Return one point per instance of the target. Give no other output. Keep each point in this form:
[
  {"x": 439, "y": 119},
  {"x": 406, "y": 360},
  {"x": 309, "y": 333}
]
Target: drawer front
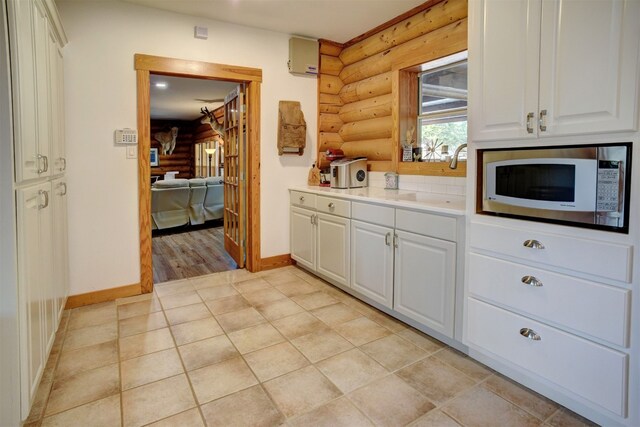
[
  {"x": 334, "y": 206},
  {"x": 560, "y": 299},
  {"x": 305, "y": 200},
  {"x": 438, "y": 226},
  {"x": 381, "y": 215},
  {"x": 589, "y": 370},
  {"x": 596, "y": 258}
]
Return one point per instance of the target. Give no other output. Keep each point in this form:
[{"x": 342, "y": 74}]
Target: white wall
[{"x": 100, "y": 96}]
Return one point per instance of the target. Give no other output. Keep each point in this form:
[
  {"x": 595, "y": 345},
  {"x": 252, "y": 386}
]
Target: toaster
[{"x": 349, "y": 173}]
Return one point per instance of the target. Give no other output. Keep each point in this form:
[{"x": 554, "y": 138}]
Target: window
[{"x": 442, "y": 107}]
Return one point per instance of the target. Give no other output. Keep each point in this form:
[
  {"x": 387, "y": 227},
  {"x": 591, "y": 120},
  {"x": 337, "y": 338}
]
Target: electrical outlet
[{"x": 132, "y": 152}]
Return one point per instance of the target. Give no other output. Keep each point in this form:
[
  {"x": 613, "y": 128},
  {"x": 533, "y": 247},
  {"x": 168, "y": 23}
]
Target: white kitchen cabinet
[
  {"x": 541, "y": 68},
  {"x": 60, "y": 245},
  {"x": 303, "y": 237},
  {"x": 372, "y": 260},
  {"x": 333, "y": 241},
  {"x": 424, "y": 285},
  {"x": 56, "y": 111}
]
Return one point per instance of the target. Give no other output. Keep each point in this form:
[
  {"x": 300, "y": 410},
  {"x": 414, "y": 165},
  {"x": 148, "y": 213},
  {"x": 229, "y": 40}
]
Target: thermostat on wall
[{"x": 126, "y": 136}]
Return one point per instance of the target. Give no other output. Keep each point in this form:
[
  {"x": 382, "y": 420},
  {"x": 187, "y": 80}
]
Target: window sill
[{"x": 432, "y": 169}]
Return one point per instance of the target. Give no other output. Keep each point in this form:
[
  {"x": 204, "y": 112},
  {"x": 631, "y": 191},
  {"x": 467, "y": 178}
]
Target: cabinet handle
[
  {"x": 311, "y": 219},
  {"x": 530, "y": 333},
  {"x": 531, "y": 281},
  {"x": 46, "y": 199},
  {"x": 529, "y": 123},
  {"x": 40, "y": 170},
  {"x": 543, "y": 121},
  {"x": 64, "y": 164},
  {"x": 395, "y": 240},
  {"x": 332, "y": 205},
  {"x": 387, "y": 239},
  {"x": 46, "y": 163},
  {"x": 533, "y": 244},
  {"x": 63, "y": 185}
]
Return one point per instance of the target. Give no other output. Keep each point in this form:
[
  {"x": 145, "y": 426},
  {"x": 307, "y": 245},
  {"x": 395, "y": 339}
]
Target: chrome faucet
[{"x": 454, "y": 159}]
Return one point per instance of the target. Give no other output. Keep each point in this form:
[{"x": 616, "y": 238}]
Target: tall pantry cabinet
[{"x": 36, "y": 39}]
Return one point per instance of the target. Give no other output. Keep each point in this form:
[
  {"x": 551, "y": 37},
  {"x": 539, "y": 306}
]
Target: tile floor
[{"x": 275, "y": 348}]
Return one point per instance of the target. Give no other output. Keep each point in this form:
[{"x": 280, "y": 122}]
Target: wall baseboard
[
  {"x": 103, "y": 295},
  {"x": 275, "y": 262}
]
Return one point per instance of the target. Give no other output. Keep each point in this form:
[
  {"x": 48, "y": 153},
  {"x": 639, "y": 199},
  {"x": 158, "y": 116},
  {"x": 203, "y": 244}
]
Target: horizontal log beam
[
  {"x": 330, "y": 84},
  {"x": 376, "y": 149},
  {"x": 328, "y": 140},
  {"x": 329, "y": 123},
  {"x": 327, "y": 98},
  {"x": 367, "y": 88},
  {"x": 380, "y": 106},
  {"x": 377, "y": 128},
  {"x": 328, "y": 47},
  {"x": 379, "y": 166},
  {"x": 330, "y": 65},
  {"x": 328, "y": 108}
]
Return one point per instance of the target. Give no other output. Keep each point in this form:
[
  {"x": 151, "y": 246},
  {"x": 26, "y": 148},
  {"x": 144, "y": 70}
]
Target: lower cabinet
[
  {"x": 372, "y": 261},
  {"x": 303, "y": 237}
]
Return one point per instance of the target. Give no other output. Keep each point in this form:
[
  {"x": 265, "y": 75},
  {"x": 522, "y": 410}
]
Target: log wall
[
  {"x": 355, "y": 85},
  {"x": 182, "y": 158}
]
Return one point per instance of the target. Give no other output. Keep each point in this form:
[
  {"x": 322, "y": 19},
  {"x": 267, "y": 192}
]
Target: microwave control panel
[{"x": 608, "y": 199}]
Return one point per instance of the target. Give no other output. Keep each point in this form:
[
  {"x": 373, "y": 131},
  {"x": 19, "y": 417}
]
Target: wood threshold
[
  {"x": 103, "y": 295},
  {"x": 277, "y": 261}
]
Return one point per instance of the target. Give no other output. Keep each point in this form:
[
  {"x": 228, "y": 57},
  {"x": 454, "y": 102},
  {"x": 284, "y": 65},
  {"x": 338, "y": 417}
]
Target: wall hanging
[{"x": 292, "y": 128}]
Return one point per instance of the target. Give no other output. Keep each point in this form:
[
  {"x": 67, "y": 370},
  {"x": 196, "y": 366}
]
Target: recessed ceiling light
[{"x": 161, "y": 85}]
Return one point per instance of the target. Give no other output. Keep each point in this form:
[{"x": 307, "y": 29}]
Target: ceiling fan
[{"x": 210, "y": 101}]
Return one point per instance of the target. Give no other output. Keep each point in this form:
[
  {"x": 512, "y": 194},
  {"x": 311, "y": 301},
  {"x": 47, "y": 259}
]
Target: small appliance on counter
[{"x": 349, "y": 173}]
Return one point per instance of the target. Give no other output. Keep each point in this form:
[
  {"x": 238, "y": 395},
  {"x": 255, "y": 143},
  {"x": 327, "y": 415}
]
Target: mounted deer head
[{"x": 211, "y": 121}]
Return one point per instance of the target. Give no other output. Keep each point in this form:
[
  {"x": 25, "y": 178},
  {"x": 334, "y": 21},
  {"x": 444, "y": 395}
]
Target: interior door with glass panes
[{"x": 235, "y": 140}]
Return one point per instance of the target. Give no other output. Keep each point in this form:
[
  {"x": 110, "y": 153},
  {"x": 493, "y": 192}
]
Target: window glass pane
[
  {"x": 444, "y": 89},
  {"x": 439, "y": 134}
]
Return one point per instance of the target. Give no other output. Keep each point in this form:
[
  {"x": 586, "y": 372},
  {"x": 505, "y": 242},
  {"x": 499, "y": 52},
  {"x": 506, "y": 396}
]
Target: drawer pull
[
  {"x": 387, "y": 239},
  {"x": 332, "y": 205},
  {"x": 530, "y": 333},
  {"x": 531, "y": 281},
  {"x": 301, "y": 199},
  {"x": 533, "y": 244}
]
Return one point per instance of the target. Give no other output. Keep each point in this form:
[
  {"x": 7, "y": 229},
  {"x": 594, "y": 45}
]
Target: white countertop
[{"x": 441, "y": 203}]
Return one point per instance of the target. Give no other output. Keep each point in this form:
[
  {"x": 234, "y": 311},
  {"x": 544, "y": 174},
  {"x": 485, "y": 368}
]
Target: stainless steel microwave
[{"x": 580, "y": 185}]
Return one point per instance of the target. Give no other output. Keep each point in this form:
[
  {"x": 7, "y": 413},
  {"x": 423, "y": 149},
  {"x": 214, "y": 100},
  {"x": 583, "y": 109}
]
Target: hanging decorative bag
[{"x": 292, "y": 128}]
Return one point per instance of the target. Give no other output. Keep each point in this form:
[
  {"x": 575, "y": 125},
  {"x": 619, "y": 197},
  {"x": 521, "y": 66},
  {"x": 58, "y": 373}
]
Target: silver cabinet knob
[
  {"x": 302, "y": 198},
  {"x": 332, "y": 205},
  {"x": 531, "y": 281},
  {"x": 530, "y": 333},
  {"x": 533, "y": 244}
]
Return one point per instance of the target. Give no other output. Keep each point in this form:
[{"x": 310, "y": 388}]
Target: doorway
[{"x": 250, "y": 78}]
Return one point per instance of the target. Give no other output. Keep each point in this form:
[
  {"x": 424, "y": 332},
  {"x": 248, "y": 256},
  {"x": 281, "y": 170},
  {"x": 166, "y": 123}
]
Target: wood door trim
[
  {"x": 145, "y": 65},
  {"x": 102, "y": 295},
  {"x": 277, "y": 261}
]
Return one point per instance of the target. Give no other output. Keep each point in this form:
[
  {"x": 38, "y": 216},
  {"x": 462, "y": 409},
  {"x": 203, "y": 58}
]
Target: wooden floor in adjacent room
[{"x": 181, "y": 255}]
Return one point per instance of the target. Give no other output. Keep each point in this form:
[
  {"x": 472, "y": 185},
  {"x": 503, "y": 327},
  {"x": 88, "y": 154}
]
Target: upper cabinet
[{"x": 542, "y": 68}]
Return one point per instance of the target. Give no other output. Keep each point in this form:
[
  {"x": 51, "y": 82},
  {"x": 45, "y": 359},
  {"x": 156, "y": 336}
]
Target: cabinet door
[
  {"x": 60, "y": 245},
  {"x": 303, "y": 237},
  {"x": 503, "y": 69},
  {"x": 56, "y": 106},
  {"x": 372, "y": 261},
  {"x": 333, "y": 234},
  {"x": 41, "y": 45},
  {"x": 425, "y": 280},
  {"x": 588, "y": 66}
]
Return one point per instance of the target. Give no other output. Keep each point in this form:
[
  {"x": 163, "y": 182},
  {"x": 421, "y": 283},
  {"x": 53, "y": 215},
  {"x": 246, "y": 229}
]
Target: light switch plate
[{"x": 132, "y": 152}]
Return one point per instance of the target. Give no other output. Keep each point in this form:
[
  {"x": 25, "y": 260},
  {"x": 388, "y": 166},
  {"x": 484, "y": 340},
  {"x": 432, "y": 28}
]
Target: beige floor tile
[
  {"x": 139, "y": 308},
  {"x": 278, "y": 309},
  {"x": 252, "y": 285},
  {"x": 390, "y": 401},
  {"x": 479, "y": 407},
  {"x": 263, "y": 296},
  {"x": 240, "y": 319},
  {"x": 155, "y": 401},
  {"x": 300, "y": 391},
  {"x": 393, "y": 352},
  {"x": 463, "y": 363},
  {"x": 321, "y": 345},
  {"x": 90, "y": 336},
  {"x": 360, "y": 306},
  {"x": 298, "y": 287},
  {"x": 39, "y": 402},
  {"x": 299, "y": 324},
  {"x": 101, "y": 413},
  {"x": 136, "y": 298},
  {"x": 92, "y": 315},
  {"x": 274, "y": 361},
  {"x": 361, "y": 331},
  {"x": 144, "y": 323},
  {"x": 336, "y": 314},
  {"x": 215, "y": 381},
  {"x": 196, "y": 330},
  {"x": 314, "y": 300},
  {"x": 187, "y": 313},
  {"x": 172, "y": 288},
  {"x": 337, "y": 413},
  {"x": 388, "y": 322},
  {"x": 145, "y": 343},
  {"x": 190, "y": 418},
  {"x": 227, "y": 305},
  {"x": 250, "y": 407},
  {"x": 255, "y": 338},
  {"x": 427, "y": 343},
  {"x": 351, "y": 370},
  {"x": 83, "y": 388},
  {"x": 217, "y": 292},
  {"x": 240, "y": 275},
  {"x": 435, "y": 418},
  {"x": 207, "y": 352},
  {"x": 279, "y": 277},
  {"x": 216, "y": 279},
  {"x": 149, "y": 368},
  {"x": 86, "y": 358},
  {"x": 567, "y": 418},
  {"x": 179, "y": 300},
  {"x": 436, "y": 380},
  {"x": 532, "y": 402}
]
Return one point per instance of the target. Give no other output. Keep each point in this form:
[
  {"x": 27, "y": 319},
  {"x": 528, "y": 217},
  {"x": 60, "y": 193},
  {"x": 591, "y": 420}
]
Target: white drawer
[
  {"x": 381, "y": 215},
  {"x": 560, "y": 299},
  {"x": 595, "y": 257},
  {"x": 305, "y": 200},
  {"x": 438, "y": 226},
  {"x": 334, "y": 206},
  {"x": 582, "y": 367}
]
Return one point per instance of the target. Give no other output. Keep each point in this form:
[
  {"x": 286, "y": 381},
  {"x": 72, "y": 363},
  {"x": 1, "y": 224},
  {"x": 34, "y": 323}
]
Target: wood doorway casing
[{"x": 145, "y": 65}]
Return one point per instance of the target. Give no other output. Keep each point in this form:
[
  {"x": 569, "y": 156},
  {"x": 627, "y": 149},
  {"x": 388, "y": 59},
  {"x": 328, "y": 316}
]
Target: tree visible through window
[{"x": 442, "y": 109}]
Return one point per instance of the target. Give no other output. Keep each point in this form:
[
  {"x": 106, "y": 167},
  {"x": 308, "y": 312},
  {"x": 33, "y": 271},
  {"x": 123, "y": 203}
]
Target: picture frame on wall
[{"x": 155, "y": 160}]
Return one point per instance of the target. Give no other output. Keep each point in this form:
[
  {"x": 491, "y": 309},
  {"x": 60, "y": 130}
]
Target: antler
[{"x": 205, "y": 110}]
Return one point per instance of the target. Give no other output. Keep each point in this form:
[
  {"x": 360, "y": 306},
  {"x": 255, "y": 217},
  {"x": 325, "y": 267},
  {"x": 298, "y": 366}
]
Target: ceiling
[
  {"x": 182, "y": 97},
  {"x": 336, "y": 20}
]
